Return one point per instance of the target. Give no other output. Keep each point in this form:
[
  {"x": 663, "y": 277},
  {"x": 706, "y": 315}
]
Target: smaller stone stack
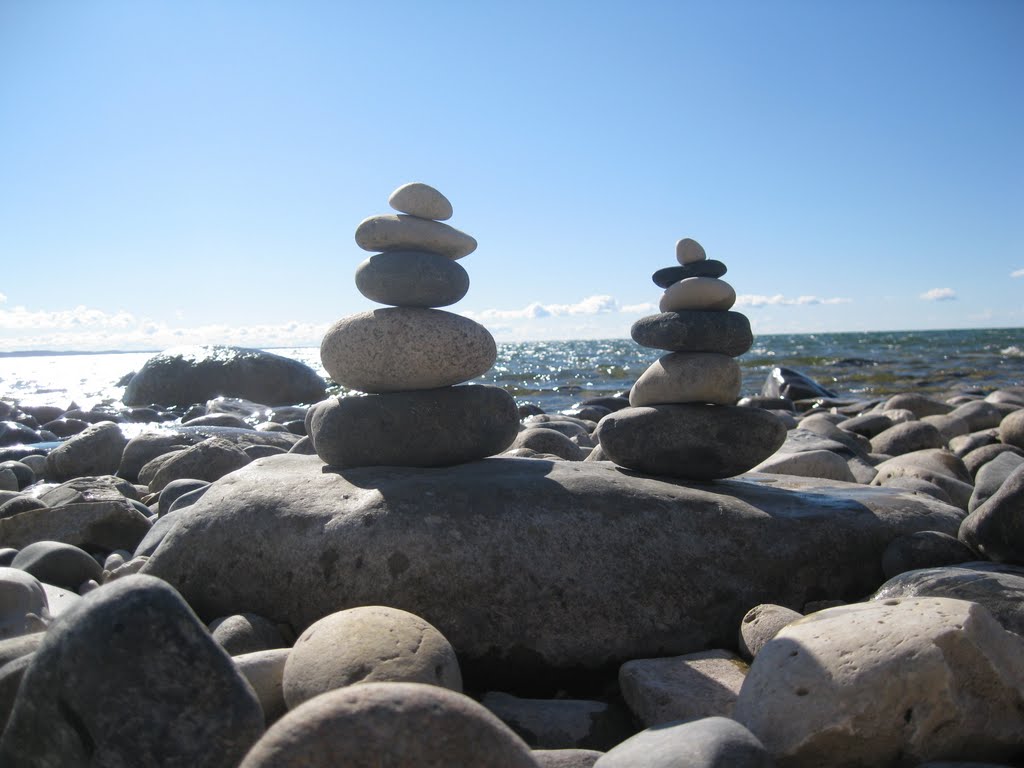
[
  {"x": 682, "y": 420},
  {"x": 409, "y": 355}
]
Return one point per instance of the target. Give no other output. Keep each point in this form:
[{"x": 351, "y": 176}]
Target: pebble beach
[{"x": 692, "y": 547}]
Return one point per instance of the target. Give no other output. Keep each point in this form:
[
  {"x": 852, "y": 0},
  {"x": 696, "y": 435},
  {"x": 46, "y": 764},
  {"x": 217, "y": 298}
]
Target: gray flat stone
[
  {"x": 533, "y": 551},
  {"x": 419, "y": 199},
  {"x": 695, "y": 330},
  {"x": 663, "y": 278},
  {"x": 697, "y": 442},
  {"x": 388, "y": 232},
  {"x": 429, "y": 428},
  {"x": 412, "y": 279}
]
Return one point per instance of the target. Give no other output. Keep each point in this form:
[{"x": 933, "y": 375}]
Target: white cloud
[
  {"x": 939, "y": 294},
  {"x": 1015, "y": 273},
  {"x": 592, "y": 305},
  {"x": 19, "y": 318},
  {"x": 638, "y": 309},
  {"x": 2, "y": 298},
  {"x": 778, "y": 300}
]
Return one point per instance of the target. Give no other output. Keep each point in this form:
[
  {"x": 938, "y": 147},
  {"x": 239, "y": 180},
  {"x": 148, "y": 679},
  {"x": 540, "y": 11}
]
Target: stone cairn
[
  {"x": 682, "y": 420},
  {"x": 408, "y": 356}
]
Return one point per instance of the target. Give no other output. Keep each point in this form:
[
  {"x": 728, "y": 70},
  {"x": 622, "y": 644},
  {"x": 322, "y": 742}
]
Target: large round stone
[
  {"x": 419, "y": 199},
  {"x": 694, "y": 330},
  {"x": 708, "y": 293},
  {"x": 368, "y": 644},
  {"x": 388, "y": 232},
  {"x": 406, "y": 348},
  {"x": 412, "y": 279},
  {"x": 526, "y": 565},
  {"x": 426, "y": 428},
  {"x": 688, "y": 377},
  {"x": 186, "y": 375},
  {"x": 697, "y": 442},
  {"x": 390, "y": 725},
  {"x": 1011, "y": 429},
  {"x": 663, "y": 278}
]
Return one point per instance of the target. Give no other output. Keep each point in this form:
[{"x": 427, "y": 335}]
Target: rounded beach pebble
[
  {"x": 707, "y": 293},
  {"x": 368, "y": 644},
  {"x": 399, "y": 349},
  {"x": 419, "y": 199},
  {"x": 388, "y": 232},
  {"x": 54, "y": 562},
  {"x": 695, "y": 331},
  {"x": 688, "y": 377},
  {"x": 390, "y": 725},
  {"x": 689, "y": 251},
  {"x": 412, "y": 279}
]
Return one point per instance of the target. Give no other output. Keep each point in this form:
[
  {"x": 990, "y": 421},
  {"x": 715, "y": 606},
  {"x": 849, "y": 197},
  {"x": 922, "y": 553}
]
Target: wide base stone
[
  {"x": 426, "y": 428},
  {"x": 689, "y": 440},
  {"x": 532, "y": 565}
]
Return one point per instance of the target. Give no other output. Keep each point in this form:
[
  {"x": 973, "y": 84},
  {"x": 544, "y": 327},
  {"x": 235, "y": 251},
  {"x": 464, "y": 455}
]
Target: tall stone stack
[
  {"x": 682, "y": 420},
  {"x": 409, "y": 356}
]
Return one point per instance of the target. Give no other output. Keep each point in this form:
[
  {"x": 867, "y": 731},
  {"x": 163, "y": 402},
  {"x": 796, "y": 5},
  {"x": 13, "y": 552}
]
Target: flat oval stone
[
  {"x": 412, "y": 279},
  {"x": 431, "y": 428},
  {"x": 688, "y": 377},
  {"x": 405, "y": 348},
  {"x": 388, "y": 232},
  {"x": 694, "y": 442},
  {"x": 663, "y": 278},
  {"x": 419, "y": 199},
  {"x": 695, "y": 330},
  {"x": 707, "y": 293},
  {"x": 689, "y": 251}
]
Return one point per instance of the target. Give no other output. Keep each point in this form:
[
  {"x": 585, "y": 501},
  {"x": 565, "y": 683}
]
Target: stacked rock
[
  {"x": 409, "y": 355},
  {"x": 682, "y": 420}
]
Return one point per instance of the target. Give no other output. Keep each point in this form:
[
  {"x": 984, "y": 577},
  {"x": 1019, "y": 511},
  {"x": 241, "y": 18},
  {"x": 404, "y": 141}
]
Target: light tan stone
[
  {"x": 688, "y": 377},
  {"x": 708, "y": 293},
  {"x": 419, "y": 199},
  {"x": 389, "y": 232},
  {"x": 398, "y": 349},
  {"x": 696, "y": 685},
  {"x": 900, "y": 681},
  {"x": 368, "y": 644},
  {"x": 689, "y": 251}
]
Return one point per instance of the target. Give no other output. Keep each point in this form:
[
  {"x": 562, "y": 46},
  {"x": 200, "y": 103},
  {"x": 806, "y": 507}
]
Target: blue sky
[{"x": 182, "y": 172}]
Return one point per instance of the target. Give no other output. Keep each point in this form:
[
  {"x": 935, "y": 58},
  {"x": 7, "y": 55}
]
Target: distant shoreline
[{"x": 65, "y": 353}]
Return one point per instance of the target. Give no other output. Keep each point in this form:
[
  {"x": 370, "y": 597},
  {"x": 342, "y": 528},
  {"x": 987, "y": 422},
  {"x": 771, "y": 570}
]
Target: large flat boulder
[{"x": 532, "y": 564}]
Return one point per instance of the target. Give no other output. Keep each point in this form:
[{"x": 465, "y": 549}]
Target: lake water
[{"x": 559, "y": 374}]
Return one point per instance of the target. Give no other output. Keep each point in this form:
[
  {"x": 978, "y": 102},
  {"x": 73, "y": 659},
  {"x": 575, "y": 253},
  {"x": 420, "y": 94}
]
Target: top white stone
[
  {"x": 419, "y": 199},
  {"x": 689, "y": 251}
]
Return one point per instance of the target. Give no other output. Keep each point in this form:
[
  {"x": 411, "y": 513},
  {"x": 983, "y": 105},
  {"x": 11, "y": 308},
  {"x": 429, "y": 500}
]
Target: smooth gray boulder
[
  {"x": 991, "y": 477},
  {"x": 95, "y": 451},
  {"x": 692, "y": 441},
  {"x": 186, "y": 375},
  {"x": 695, "y": 330},
  {"x": 996, "y": 528},
  {"x": 1000, "y": 588},
  {"x": 209, "y": 460},
  {"x": 924, "y": 549},
  {"x": 428, "y": 428},
  {"x": 54, "y": 562},
  {"x": 129, "y": 677},
  {"x": 390, "y": 725},
  {"x": 533, "y": 550},
  {"x": 92, "y": 525}
]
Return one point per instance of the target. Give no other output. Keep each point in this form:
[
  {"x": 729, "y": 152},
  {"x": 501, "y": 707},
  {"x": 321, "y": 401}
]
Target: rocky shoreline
[{"x": 577, "y": 607}]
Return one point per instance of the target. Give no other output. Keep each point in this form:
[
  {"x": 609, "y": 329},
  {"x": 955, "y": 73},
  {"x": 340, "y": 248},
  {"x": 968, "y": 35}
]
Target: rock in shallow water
[
  {"x": 698, "y": 442},
  {"x": 511, "y": 558},
  {"x": 187, "y": 375},
  {"x": 427, "y": 428}
]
